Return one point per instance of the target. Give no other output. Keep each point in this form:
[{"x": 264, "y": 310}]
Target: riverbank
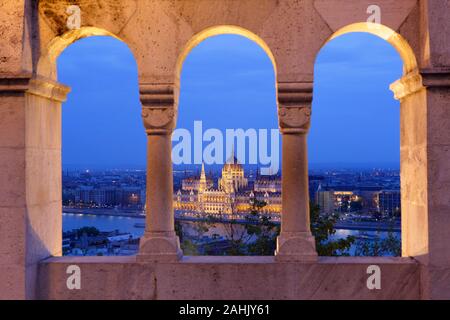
[
  {"x": 105, "y": 212},
  {"x": 368, "y": 226},
  {"x": 340, "y": 225},
  {"x": 217, "y": 232}
]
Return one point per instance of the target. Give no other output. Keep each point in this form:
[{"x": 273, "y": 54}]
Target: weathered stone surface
[
  {"x": 296, "y": 247},
  {"x": 229, "y": 278},
  {"x": 436, "y": 14},
  {"x": 14, "y": 52},
  {"x": 161, "y": 34},
  {"x": 12, "y": 123},
  {"x": 12, "y": 172},
  {"x": 12, "y": 278},
  {"x": 340, "y": 13},
  {"x": 12, "y": 244}
]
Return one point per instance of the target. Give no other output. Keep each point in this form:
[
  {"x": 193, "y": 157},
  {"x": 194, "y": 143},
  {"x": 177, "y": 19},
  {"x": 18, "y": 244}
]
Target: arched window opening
[
  {"x": 354, "y": 147},
  {"x": 103, "y": 149},
  {"x": 226, "y": 148}
]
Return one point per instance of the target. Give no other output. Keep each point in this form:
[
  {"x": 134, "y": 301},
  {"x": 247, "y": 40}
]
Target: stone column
[
  {"x": 159, "y": 242},
  {"x": 436, "y": 277},
  {"x": 425, "y": 128},
  {"x": 411, "y": 93},
  {"x": 295, "y": 242},
  {"x": 30, "y": 175}
]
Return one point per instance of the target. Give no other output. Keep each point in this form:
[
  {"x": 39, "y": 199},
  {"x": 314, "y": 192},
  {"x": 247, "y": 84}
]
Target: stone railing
[{"x": 230, "y": 278}]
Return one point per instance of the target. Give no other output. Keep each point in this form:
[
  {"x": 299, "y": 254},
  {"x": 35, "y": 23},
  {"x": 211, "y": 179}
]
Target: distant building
[
  {"x": 126, "y": 196},
  {"x": 193, "y": 183},
  {"x": 84, "y": 194},
  {"x": 349, "y": 198},
  {"x": 233, "y": 194},
  {"x": 389, "y": 202},
  {"x": 325, "y": 200},
  {"x": 314, "y": 181},
  {"x": 270, "y": 184}
]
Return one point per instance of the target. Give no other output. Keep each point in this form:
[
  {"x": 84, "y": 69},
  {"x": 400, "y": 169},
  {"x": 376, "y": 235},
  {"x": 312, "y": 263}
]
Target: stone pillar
[
  {"x": 411, "y": 93},
  {"x": 30, "y": 174},
  {"x": 295, "y": 242},
  {"x": 159, "y": 243},
  {"x": 425, "y": 128},
  {"x": 437, "y": 82}
]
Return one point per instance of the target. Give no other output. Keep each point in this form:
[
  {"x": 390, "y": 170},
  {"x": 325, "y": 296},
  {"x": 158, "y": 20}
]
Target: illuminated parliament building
[{"x": 233, "y": 194}]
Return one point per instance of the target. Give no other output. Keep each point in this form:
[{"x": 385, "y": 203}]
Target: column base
[
  {"x": 159, "y": 247},
  {"x": 296, "y": 247}
]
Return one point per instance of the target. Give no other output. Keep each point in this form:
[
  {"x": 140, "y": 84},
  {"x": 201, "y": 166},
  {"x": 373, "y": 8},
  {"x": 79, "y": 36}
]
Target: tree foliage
[
  {"x": 390, "y": 246},
  {"x": 322, "y": 228},
  {"x": 89, "y": 231},
  {"x": 257, "y": 236},
  {"x": 263, "y": 228}
]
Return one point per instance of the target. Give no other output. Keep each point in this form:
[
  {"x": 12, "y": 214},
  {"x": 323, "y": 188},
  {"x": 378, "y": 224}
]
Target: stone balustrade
[{"x": 161, "y": 34}]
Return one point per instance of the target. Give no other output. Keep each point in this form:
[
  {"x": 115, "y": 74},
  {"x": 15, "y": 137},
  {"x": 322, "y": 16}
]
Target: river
[{"x": 128, "y": 225}]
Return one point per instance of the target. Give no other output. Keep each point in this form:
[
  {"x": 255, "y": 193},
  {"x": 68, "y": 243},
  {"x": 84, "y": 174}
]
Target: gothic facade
[{"x": 233, "y": 195}]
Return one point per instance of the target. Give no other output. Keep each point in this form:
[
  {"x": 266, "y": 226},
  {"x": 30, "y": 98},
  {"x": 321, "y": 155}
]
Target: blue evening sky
[{"x": 228, "y": 82}]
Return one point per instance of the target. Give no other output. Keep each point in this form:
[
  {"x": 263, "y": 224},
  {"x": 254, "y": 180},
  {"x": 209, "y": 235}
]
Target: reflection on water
[
  {"x": 219, "y": 231},
  {"x": 191, "y": 229},
  {"x": 103, "y": 223},
  {"x": 199, "y": 231},
  {"x": 363, "y": 236}
]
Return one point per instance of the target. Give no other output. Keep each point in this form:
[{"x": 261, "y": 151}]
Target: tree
[
  {"x": 261, "y": 226},
  {"x": 188, "y": 246},
  {"x": 392, "y": 245},
  {"x": 257, "y": 235},
  {"x": 389, "y": 246},
  {"x": 89, "y": 231},
  {"x": 234, "y": 232},
  {"x": 322, "y": 228}
]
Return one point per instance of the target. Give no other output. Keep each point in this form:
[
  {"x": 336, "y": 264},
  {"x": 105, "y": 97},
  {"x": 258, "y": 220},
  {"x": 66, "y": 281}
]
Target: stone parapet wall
[{"x": 229, "y": 278}]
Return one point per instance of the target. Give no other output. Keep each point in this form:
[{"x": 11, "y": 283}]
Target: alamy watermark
[
  {"x": 188, "y": 147},
  {"x": 74, "y": 17},
  {"x": 374, "y": 280},
  {"x": 73, "y": 281},
  {"x": 375, "y": 15}
]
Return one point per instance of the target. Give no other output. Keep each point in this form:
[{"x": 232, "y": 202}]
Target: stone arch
[
  {"x": 46, "y": 65},
  {"x": 218, "y": 30},
  {"x": 395, "y": 39},
  {"x": 215, "y": 31},
  {"x": 45, "y": 97},
  {"x": 411, "y": 93}
]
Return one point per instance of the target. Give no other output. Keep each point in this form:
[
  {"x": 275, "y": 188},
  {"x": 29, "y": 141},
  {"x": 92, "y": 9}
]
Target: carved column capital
[
  {"x": 159, "y": 105},
  {"x": 294, "y": 119},
  {"x": 407, "y": 85},
  {"x": 415, "y": 81},
  {"x": 294, "y": 106}
]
